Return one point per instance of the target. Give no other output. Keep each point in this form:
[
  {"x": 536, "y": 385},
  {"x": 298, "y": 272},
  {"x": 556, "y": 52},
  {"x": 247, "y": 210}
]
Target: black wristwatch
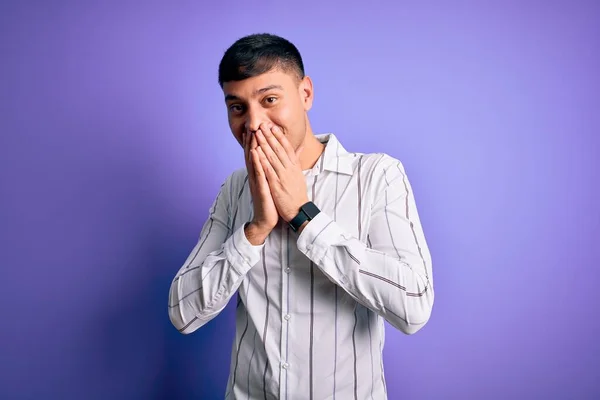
[{"x": 307, "y": 212}]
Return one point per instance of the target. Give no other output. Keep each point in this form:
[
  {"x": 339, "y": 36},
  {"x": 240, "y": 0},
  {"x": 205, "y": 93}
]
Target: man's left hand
[{"x": 283, "y": 171}]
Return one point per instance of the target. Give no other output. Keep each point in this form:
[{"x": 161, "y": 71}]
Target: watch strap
[{"x": 307, "y": 212}]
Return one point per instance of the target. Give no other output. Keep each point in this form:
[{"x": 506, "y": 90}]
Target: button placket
[{"x": 284, "y": 295}]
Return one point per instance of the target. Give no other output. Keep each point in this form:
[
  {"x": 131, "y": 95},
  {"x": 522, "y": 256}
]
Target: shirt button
[
  {"x": 288, "y": 270},
  {"x": 285, "y": 365},
  {"x": 287, "y": 317}
]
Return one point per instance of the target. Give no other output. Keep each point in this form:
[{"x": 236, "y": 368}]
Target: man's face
[{"x": 275, "y": 97}]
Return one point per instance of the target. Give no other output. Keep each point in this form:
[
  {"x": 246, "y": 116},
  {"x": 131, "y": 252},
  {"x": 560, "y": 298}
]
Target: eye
[
  {"x": 235, "y": 108},
  {"x": 271, "y": 99}
]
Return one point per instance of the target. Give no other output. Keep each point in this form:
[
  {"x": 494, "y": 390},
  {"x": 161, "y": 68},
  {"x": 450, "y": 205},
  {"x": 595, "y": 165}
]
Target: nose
[{"x": 254, "y": 118}]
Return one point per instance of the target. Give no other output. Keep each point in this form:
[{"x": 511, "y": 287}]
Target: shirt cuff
[
  {"x": 242, "y": 254},
  {"x": 318, "y": 236}
]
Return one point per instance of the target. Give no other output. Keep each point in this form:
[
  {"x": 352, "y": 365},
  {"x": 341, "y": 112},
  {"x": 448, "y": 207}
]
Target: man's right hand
[{"x": 265, "y": 213}]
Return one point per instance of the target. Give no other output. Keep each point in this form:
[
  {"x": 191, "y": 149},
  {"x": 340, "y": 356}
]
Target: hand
[
  {"x": 282, "y": 169},
  {"x": 265, "y": 213}
]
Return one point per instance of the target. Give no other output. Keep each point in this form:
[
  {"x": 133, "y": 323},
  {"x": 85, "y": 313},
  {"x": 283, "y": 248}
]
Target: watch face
[
  {"x": 310, "y": 209},
  {"x": 307, "y": 212}
]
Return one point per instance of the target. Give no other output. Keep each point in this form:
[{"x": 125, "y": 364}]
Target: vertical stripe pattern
[{"x": 309, "y": 318}]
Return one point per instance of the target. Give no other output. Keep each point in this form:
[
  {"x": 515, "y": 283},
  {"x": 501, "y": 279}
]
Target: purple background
[{"x": 114, "y": 142}]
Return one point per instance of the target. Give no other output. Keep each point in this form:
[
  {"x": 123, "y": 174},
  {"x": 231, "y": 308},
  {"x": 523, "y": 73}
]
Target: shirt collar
[{"x": 334, "y": 158}]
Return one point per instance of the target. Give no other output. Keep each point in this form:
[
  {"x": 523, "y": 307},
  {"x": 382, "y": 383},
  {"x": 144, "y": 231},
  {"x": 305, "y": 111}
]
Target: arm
[
  {"x": 214, "y": 270},
  {"x": 391, "y": 274}
]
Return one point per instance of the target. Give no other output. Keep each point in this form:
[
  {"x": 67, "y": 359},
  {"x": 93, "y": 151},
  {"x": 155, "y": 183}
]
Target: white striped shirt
[{"x": 311, "y": 307}]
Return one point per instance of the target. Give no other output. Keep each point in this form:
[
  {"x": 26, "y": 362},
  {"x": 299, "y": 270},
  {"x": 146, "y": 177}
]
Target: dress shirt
[{"x": 311, "y": 306}]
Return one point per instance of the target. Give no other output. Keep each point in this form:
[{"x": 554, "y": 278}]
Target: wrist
[
  {"x": 256, "y": 234},
  {"x": 306, "y": 213},
  {"x": 302, "y": 227},
  {"x": 295, "y": 211}
]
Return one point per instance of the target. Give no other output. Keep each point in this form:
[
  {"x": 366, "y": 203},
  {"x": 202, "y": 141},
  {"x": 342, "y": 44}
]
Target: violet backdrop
[{"x": 114, "y": 142}]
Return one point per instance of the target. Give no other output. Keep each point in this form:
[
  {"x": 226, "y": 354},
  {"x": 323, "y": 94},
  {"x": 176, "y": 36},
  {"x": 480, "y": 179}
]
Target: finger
[
  {"x": 257, "y": 166},
  {"x": 277, "y": 145},
  {"x": 268, "y": 152},
  {"x": 284, "y": 143},
  {"x": 260, "y": 177},
  {"x": 267, "y": 168},
  {"x": 247, "y": 155},
  {"x": 253, "y": 142}
]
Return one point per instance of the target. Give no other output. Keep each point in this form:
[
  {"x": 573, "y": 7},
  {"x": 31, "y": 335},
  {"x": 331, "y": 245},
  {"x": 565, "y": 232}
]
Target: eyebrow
[{"x": 256, "y": 92}]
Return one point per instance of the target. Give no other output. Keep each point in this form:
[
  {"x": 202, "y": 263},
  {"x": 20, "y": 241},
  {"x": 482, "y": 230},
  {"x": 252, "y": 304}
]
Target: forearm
[
  {"x": 205, "y": 284},
  {"x": 399, "y": 289}
]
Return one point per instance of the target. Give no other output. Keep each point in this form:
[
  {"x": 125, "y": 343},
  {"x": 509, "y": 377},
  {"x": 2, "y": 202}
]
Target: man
[{"x": 320, "y": 244}]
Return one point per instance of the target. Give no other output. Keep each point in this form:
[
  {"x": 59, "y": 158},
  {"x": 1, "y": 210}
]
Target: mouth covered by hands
[{"x": 276, "y": 161}]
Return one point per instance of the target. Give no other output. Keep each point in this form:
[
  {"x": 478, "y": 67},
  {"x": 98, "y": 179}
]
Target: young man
[{"x": 320, "y": 244}]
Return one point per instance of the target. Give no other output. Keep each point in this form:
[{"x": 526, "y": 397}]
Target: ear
[{"x": 306, "y": 93}]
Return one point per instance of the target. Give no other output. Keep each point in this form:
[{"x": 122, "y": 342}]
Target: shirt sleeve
[
  {"x": 214, "y": 269},
  {"x": 391, "y": 273}
]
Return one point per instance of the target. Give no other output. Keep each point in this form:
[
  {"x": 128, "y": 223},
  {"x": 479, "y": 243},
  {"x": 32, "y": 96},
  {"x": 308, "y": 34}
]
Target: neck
[{"x": 311, "y": 152}]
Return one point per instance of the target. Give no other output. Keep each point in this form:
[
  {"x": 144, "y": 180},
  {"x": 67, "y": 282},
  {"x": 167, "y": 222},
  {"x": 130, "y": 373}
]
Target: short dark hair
[{"x": 258, "y": 53}]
